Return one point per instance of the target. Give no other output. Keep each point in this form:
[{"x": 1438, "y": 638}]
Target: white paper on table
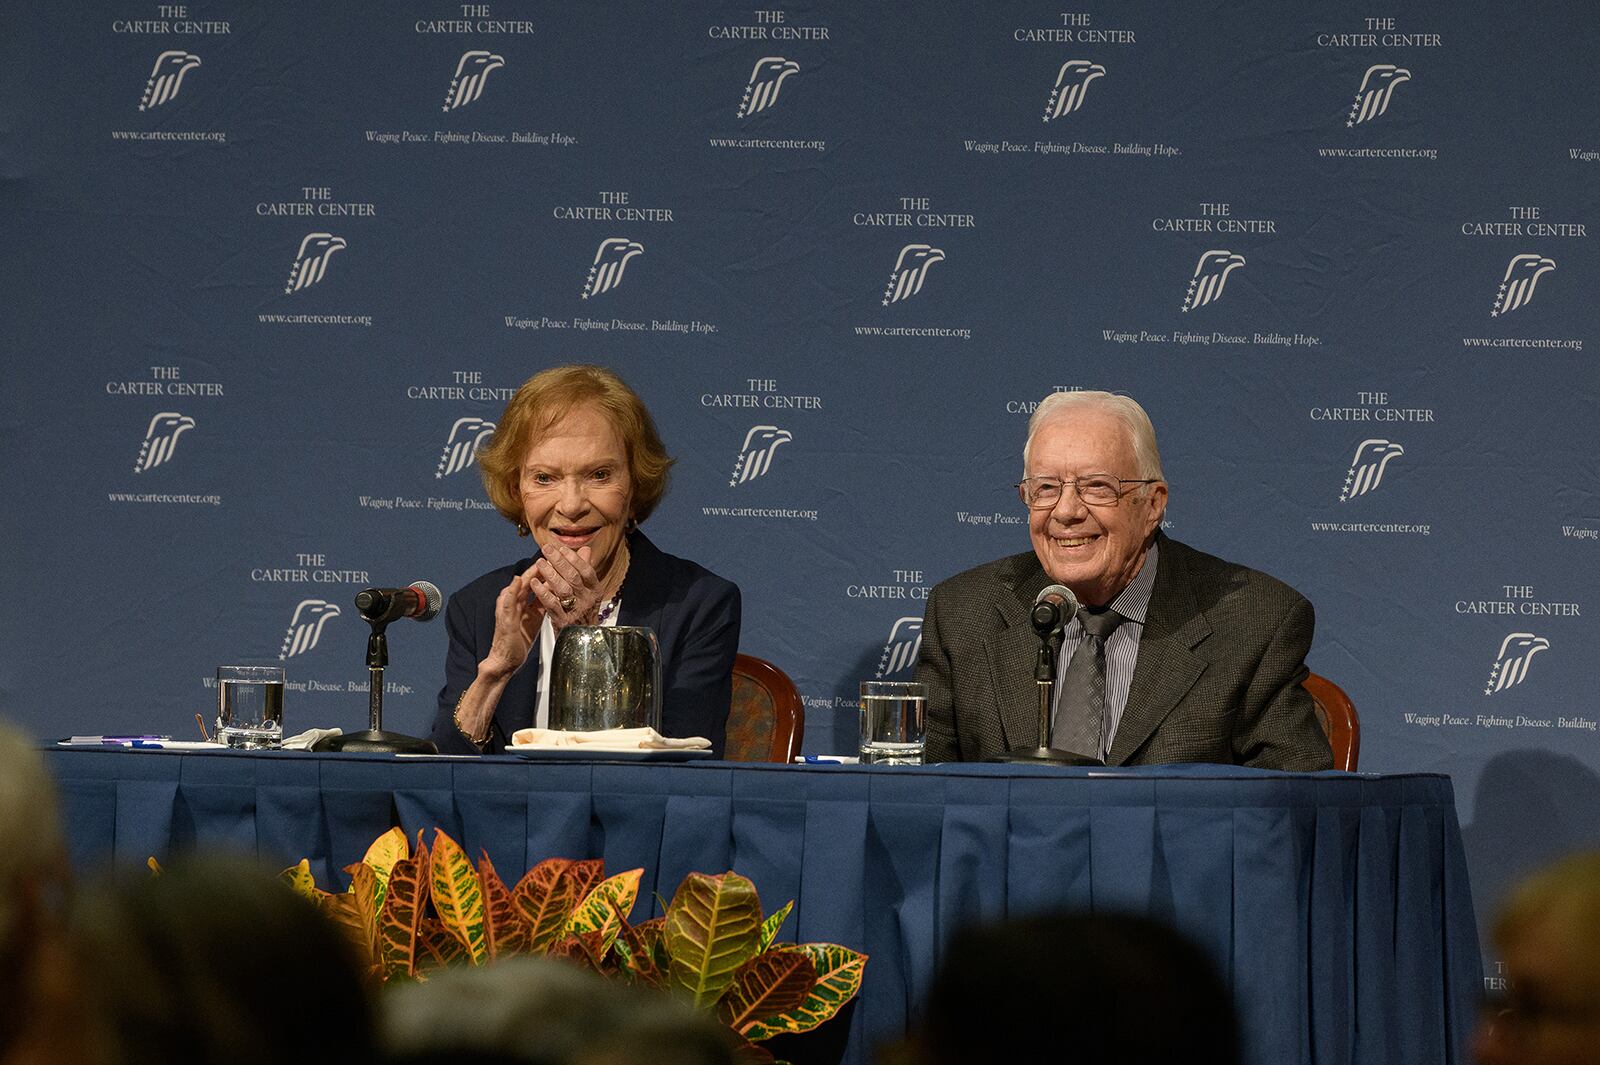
[
  {"x": 130, "y": 744},
  {"x": 611, "y": 739}
]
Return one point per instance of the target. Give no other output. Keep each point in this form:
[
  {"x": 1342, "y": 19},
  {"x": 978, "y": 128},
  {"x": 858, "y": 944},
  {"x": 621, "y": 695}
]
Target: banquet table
[{"x": 1335, "y": 904}]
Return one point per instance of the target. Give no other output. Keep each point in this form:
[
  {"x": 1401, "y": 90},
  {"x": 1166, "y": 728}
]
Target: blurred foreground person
[
  {"x": 1105, "y": 989},
  {"x": 541, "y": 1011},
  {"x": 37, "y": 1009},
  {"x": 214, "y": 962},
  {"x": 1548, "y": 934}
]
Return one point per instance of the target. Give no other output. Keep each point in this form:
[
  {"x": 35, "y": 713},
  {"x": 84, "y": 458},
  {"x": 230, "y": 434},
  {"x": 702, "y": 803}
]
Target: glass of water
[
  {"x": 250, "y": 706},
  {"x": 892, "y": 715}
]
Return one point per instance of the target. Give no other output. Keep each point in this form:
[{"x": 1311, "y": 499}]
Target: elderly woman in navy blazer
[{"x": 576, "y": 463}]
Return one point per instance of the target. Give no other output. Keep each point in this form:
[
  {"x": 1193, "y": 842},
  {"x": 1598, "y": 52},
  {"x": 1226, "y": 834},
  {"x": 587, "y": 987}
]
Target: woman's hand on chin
[{"x": 566, "y": 586}]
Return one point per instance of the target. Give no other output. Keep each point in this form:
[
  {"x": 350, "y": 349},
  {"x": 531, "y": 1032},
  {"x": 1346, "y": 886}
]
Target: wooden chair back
[
  {"x": 767, "y": 720},
  {"x": 1338, "y": 718}
]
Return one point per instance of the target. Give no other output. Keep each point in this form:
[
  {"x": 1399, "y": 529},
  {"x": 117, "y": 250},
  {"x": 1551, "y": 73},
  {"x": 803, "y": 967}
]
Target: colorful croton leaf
[
  {"x": 713, "y": 927},
  {"x": 458, "y": 898},
  {"x": 400, "y": 947},
  {"x": 300, "y": 880},
  {"x": 768, "y": 985},
  {"x": 838, "y": 978},
  {"x": 545, "y": 898},
  {"x": 747, "y": 1053},
  {"x": 357, "y": 912},
  {"x": 588, "y": 948},
  {"x": 600, "y": 916},
  {"x": 609, "y": 902},
  {"x": 506, "y": 931},
  {"x": 387, "y": 849},
  {"x": 365, "y": 902},
  {"x": 769, "y": 927},
  {"x": 641, "y": 952},
  {"x": 441, "y": 946},
  {"x": 585, "y": 875}
]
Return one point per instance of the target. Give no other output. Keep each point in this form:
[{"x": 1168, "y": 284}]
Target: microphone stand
[
  {"x": 375, "y": 738},
  {"x": 1047, "y": 624}
]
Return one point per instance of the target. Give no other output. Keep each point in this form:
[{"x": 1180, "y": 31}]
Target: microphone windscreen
[
  {"x": 1061, "y": 595},
  {"x": 431, "y": 600}
]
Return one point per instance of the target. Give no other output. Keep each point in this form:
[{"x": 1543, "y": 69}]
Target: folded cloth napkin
[
  {"x": 307, "y": 739},
  {"x": 610, "y": 739}
]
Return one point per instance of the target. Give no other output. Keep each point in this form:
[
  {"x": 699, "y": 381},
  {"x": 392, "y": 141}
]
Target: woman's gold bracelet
[{"x": 455, "y": 719}]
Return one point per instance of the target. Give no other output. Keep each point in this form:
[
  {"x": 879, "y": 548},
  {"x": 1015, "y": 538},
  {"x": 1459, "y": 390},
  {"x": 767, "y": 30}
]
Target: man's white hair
[{"x": 1060, "y": 406}]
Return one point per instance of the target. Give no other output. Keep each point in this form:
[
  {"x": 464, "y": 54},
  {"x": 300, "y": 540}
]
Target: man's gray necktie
[{"x": 1081, "y": 693}]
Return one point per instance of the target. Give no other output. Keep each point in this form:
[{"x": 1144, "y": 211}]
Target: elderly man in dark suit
[{"x": 1174, "y": 656}]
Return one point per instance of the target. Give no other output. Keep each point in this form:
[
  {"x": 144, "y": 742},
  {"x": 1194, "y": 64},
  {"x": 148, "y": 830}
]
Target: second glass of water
[
  {"x": 250, "y": 706},
  {"x": 892, "y": 716}
]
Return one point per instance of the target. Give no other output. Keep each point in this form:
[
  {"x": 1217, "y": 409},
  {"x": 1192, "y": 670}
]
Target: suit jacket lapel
[
  {"x": 1011, "y": 656},
  {"x": 1166, "y": 667}
]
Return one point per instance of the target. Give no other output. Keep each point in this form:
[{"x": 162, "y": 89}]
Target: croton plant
[{"x": 412, "y": 911}]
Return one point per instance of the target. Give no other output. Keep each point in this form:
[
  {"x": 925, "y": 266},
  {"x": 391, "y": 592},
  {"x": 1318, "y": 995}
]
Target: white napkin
[
  {"x": 611, "y": 739},
  {"x": 307, "y": 739}
]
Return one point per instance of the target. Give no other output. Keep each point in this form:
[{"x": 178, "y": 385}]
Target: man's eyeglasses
[{"x": 1096, "y": 489}]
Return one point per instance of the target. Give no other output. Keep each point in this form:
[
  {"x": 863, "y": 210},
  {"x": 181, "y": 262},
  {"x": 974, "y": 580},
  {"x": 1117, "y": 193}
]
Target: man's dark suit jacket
[
  {"x": 695, "y": 615},
  {"x": 1217, "y": 679}
]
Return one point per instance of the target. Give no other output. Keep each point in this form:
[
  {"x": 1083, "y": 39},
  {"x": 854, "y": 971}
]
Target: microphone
[
  {"x": 1052, "y": 608},
  {"x": 380, "y": 606}
]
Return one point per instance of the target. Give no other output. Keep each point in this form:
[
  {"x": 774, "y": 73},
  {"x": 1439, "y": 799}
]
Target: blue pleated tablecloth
[{"x": 1337, "y": 905}]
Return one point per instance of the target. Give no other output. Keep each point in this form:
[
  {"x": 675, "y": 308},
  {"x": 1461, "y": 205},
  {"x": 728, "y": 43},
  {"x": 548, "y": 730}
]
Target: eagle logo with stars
[
  {"x": 166, "y": 78},
  {"x": 910, "y": 271},
  {"x": 1072, "y": 85},
  {"x": 901, "y": 649},
  {"x": 755, "y": 457},
  {"x": 766, "y": 80},
  {"x": 467, "y": 435},
  {"x": 472, "y": 73},
  {"x": 1377, "y": 89},
  {"x": 161, "y": 439},
  {"x": 1511, "y": 664},
  {"x": 1516, "y": 288},
  {"x": 610, "y": 260},
  {"x": 305, "y": 627},
  {"x": 311, "y": 261},
  {"x": 1367, "y": 466},
  {"x": 1210, "y": 277}
]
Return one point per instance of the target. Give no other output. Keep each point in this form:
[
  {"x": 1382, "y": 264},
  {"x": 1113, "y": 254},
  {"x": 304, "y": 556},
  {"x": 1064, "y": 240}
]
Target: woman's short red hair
[{"x": 546, "y": 398}]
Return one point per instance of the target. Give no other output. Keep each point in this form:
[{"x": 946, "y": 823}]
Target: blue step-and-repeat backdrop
[{"x": 271, "y": 272}]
